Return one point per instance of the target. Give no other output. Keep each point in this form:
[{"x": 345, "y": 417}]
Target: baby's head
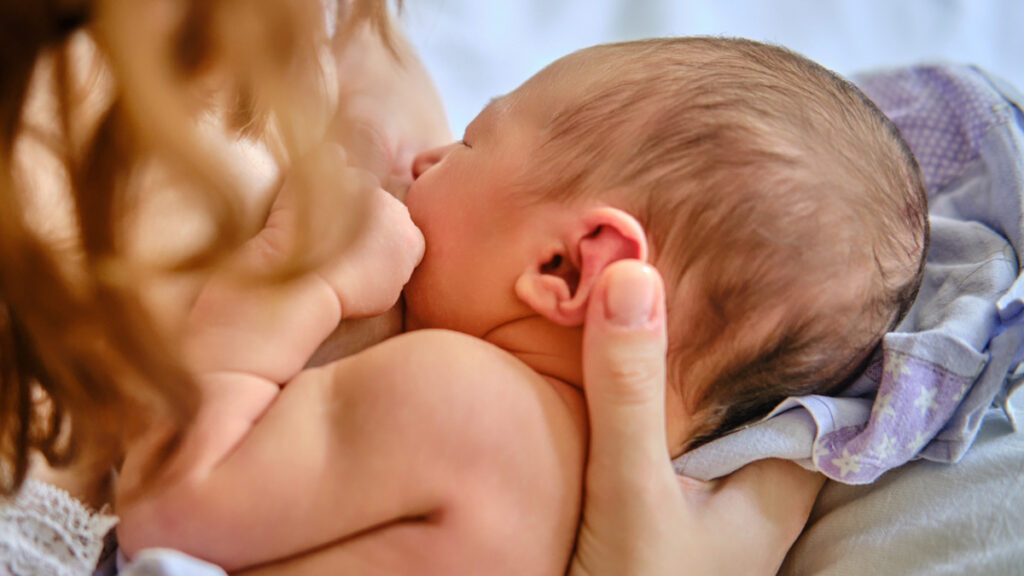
[{"x": 784, "y": 211}]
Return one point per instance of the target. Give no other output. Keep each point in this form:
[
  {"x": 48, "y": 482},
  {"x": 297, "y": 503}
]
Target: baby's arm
[
  {"x": 245, "y": 339},
  {"x": 432, "y": 444},
  {"x": 270, "y": 331}
]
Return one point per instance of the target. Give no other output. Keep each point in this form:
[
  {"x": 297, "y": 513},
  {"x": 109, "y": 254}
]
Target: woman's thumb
[{"x": 624, "y": 347}]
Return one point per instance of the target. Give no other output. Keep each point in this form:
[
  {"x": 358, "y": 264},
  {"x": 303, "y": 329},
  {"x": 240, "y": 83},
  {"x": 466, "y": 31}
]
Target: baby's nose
[{"x": 428, "y": 158}]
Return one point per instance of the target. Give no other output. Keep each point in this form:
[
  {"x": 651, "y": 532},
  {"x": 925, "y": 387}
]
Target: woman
[{"x": 135, "y": 159}]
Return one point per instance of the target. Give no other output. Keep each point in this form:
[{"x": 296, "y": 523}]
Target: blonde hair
[
  {"x": 84, "y": 368},
  {"x": 778, "y": 200}
]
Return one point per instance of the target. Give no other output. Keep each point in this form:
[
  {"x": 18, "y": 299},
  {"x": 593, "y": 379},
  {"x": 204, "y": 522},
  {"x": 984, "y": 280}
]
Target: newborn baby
[{"x": 781, "y": 207}]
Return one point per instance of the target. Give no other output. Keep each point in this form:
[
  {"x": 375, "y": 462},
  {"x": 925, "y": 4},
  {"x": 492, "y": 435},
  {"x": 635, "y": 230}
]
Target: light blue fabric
[
  {"x": 165, "y": 562},
  {"x": 925, "y": 518},
  {"x": 938, "y": 374}
]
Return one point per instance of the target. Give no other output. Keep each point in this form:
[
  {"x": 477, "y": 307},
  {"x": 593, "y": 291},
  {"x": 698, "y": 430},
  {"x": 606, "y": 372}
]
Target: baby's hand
[
  {"x": 362, "y": 237},
  {"x": 368, "y": 276}
]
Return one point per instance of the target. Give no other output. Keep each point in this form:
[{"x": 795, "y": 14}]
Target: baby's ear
[{"x": 558, "y": 284}]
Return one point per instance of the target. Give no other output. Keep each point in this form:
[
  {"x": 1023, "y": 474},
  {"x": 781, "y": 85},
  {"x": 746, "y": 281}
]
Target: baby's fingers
[{"x": 322, "y": 205}]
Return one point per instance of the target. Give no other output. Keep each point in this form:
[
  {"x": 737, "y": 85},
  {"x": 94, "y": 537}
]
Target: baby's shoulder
[
  {"x": 465, "y": 371},
  {"x": 448, "y": 383},
  {"x": 453, "y": 354},
  {"x": 510, "y": 445},
  {"x": 521, "y": 439},
  {"x": 445, "y": 373}
]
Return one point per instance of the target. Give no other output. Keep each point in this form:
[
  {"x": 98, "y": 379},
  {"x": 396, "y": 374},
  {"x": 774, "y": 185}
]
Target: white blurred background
[{"x": 478, "y": 49}]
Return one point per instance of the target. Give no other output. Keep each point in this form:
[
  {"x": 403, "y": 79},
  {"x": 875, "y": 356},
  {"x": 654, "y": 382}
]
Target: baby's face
[
  {"x": 479, "y": 223},
  {"x": 464, "y": 200}
]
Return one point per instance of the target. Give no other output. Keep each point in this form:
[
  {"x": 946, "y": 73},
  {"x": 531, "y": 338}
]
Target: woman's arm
[{"x": 640, "y": 518}]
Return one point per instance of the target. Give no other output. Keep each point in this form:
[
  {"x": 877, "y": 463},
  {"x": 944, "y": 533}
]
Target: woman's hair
[{"x": 104, "y": 89}]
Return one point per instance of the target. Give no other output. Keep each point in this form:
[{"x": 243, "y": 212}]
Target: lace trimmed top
[{"x": 45, "y": 531}]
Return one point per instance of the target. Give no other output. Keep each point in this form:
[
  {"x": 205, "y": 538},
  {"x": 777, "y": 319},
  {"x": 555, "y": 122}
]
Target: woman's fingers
[
  {"x": 638, "y": 516},
  {"x": 624, "y": 346},
  {"x": 633, "y": 504},
  {"x": 778, "y": 494}
]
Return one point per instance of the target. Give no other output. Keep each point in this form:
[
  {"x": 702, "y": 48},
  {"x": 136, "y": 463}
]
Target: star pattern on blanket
[
  {"x": 926, "y": 400},
  {"x": 883, "y": 406},
  {"x": 886, "y": 448},
  {"x": 914, "y": 400},
  {"x": 847, "y": 463},
  {"x": 895, "y": 367}
]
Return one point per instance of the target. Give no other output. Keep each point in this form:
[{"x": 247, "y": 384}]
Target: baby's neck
[
  {"x": 550, "y": 350},
  {"x": 556, "y": 352}
]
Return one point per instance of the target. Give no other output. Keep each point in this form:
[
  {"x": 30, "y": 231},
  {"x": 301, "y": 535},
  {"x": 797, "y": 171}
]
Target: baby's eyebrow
[{"x": 495, "y": 107}]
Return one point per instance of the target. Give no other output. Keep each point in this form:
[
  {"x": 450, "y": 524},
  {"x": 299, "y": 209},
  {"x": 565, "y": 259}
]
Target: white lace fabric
[{"x": 44, "y": 531}]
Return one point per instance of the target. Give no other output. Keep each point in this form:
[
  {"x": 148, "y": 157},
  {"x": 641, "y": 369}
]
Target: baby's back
[
  {"x": 431, "y": 453},
  {"x": 477, "y": 459}
]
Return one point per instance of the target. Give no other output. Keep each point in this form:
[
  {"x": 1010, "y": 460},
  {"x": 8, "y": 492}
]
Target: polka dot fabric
[
  {"x": 936, "y": 378},
  {"x": 942, "y": 113}
]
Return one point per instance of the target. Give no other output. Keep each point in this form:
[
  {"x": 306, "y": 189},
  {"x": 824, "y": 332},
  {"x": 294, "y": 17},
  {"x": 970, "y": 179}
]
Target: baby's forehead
[
  {"x": 496, "y": 109},
  {"x": 565, "y": 82}
]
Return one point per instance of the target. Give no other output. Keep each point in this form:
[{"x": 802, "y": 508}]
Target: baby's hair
[
  {"x": 779, "y": 202},
  {"x": 84, "y": 368}
]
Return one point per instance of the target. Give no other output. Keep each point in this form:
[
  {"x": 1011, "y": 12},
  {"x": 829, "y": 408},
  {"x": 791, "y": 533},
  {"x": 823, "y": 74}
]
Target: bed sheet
[{"x": 925, "y": 517}]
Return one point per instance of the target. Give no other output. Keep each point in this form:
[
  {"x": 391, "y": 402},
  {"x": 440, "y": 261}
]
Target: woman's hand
[{"x": 639, "y": 518}]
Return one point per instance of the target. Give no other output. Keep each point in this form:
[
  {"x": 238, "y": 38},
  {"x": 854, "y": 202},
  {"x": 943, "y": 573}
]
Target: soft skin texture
[
  {"x": 398, "y": 422},
  {"x": 501, "y": 245},
  {"x": 639, "y": 517},
  {"x": 377, "y": 484},
  {"x": 388, "y": 112},
  {"x": 382, "y": 106},
  {"x": 391, "y": 422}
]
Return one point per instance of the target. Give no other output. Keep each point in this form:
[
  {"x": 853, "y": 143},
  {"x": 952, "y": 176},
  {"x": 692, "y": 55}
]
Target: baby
[{"x": 783, "y": 210}]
